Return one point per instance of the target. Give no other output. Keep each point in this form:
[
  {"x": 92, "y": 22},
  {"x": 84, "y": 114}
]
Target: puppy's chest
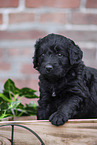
[{"x": 56, "y": 90}]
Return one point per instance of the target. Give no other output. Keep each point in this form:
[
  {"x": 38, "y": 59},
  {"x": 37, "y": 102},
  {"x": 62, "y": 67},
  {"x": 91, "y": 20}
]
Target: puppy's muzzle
[{"x": 49, "y": 67}]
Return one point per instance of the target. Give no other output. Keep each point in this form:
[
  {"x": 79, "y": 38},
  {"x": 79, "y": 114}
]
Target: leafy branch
[{"x": 11, "y": 101}]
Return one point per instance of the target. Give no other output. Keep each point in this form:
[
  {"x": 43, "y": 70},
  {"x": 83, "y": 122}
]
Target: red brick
[
  {"x": 9, "y": 3},
  {"x": 36, "y": 3},
  {"x": 28, "y": 69},
  {"x": 80, "y": 35},
  {"x": 27, "y": 52},
  {"x": 53, "y": 17},
  {"x": 11, "y": 35},
  {"x": 91, "y": 4},
  {"x": 14, "y": 52},
  {"x": 21, "y": 17},
  {"x": 4, "y": 66},
  {"x": 1, "y": 21},
  {"x": 83, "y": 18},
  {"x": 89, "y": 54},
  {"x": 20, "y": 52},
  {"x": 91, "y": 63},
  {"x": 53, "y": 3},
  {"x": 1, "y": 52}
]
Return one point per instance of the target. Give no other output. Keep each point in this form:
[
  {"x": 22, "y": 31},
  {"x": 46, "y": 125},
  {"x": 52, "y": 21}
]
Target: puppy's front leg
[
  {"x": 66, "y": 111},
  {"x": 43, "y": 110}
]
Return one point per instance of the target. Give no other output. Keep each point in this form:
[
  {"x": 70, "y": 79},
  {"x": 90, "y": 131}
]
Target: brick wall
[{"x": 24, "y": 21}]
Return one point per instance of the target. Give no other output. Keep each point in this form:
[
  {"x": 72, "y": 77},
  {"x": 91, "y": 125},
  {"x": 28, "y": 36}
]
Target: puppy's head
[{"x": 55, "y": 55}]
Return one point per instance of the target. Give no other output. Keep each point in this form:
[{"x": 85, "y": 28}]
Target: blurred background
[{"x": 24, "y": 21}]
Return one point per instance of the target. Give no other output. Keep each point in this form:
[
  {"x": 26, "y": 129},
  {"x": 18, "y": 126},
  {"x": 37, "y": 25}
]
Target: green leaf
[
  {"x": 31, "y": 108},
  {"x": 13, "y": 105},
  {"x": 10, "y": 101},
  {"x": 28, "y": 93},
  {"x": 8, "y": 94},
  {"x": 10, "y": 87},
  {"x": 4, "y": 98},
  {"x": 4, "y": 115},
  {"x": 3, "y": 106}
]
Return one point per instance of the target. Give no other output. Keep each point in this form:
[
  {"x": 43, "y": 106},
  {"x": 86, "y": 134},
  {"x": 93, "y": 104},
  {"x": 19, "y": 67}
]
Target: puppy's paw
[{"x": 58, "y": 118}]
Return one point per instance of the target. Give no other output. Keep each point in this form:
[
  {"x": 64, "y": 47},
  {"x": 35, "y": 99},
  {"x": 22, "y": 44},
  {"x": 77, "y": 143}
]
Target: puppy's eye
[{"x": 60, "y": 55}]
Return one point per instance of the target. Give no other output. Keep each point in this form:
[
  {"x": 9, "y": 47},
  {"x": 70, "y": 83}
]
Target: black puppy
[{"x": 68, "y": 89}]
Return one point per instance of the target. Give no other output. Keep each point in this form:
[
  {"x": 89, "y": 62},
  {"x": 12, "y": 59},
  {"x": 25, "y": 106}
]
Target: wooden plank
[{"x": 74, "y": 132}]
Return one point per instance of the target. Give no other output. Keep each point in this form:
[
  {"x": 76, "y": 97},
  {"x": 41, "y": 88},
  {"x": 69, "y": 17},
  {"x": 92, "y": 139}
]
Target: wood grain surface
[{"x": 74, "y": 132}]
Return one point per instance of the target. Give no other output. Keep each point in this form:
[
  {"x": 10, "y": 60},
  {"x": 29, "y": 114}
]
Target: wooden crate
[{"x": 74, "y": 132}]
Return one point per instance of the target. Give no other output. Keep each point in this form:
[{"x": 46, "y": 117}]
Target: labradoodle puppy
[{"x": 68, "y": 89}]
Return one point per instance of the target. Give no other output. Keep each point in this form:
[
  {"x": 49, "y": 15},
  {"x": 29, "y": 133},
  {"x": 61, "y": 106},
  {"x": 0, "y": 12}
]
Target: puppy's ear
[
  {"x": 75, "y": 53},
  {"x": 36, "y": 54}
]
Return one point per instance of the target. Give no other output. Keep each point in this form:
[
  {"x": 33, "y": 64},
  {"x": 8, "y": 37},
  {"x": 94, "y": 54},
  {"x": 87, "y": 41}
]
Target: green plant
[{"x": 11, "y": 103}]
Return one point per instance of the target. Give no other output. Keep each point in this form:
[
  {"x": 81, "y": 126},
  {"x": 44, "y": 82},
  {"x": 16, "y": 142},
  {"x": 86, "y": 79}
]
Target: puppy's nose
[{"x": 49, "y": 67}]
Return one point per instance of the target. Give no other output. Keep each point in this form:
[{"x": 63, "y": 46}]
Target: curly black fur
[{"x": 68, "y": 89}]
